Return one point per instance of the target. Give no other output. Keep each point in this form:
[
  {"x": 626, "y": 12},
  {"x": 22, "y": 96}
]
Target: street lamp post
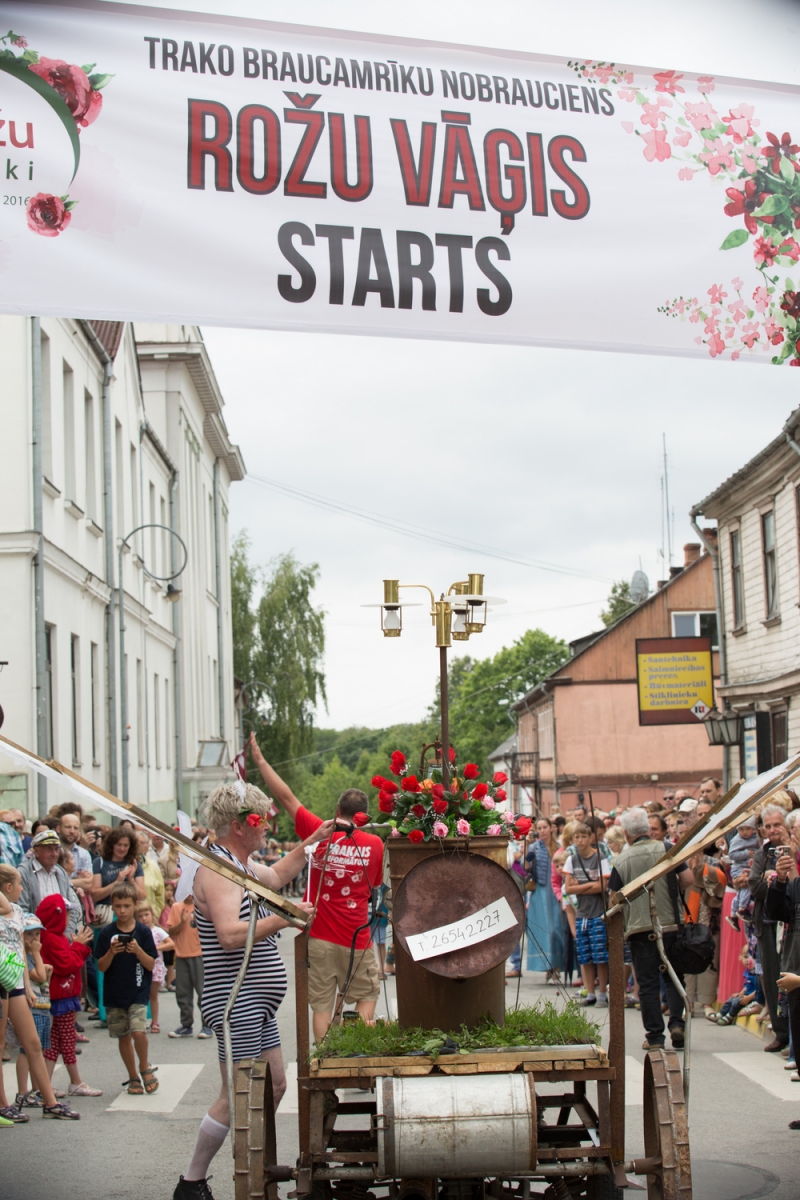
[
  {"x": 455, "y": 616},
  {"x": 172, "y": 594}
]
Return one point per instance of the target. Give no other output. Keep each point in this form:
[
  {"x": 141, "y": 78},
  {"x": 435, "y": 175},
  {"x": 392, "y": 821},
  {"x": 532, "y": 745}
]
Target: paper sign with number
[{"x": 478, "y": 927}]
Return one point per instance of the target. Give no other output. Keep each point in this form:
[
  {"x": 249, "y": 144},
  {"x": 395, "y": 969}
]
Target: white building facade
[
  {"x": 110, "y": 426},
  {"x": 758, "y": 517}
]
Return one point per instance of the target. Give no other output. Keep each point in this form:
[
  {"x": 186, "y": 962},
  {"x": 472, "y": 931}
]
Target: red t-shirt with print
[{"x": 353, "y": 869}]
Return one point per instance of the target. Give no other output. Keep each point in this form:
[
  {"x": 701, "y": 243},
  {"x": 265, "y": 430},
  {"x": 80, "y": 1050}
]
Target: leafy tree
[
  {"x": 619, "y": 602},
  {"x": 482, "y": 692},
  {"x": 279, "y": 641}
]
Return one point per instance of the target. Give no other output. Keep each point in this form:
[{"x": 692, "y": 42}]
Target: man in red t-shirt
[{"x": 353, "y": 867}]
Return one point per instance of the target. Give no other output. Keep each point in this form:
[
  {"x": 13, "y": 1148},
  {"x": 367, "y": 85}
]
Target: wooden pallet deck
[{"x": 482, "y": 1062}]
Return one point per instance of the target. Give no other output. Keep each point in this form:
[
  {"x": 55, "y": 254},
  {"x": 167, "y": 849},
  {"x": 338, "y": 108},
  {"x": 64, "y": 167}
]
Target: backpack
[{"x": 694, "y": 948}]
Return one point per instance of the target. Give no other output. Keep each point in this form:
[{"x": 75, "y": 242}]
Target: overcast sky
[{"x": 545, "y": 456}]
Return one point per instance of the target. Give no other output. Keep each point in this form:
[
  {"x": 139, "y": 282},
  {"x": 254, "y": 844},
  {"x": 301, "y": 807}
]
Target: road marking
[
  {"x": 174, "y": 1079},
  {"x": 10, "y": 1077},
  {"x": 767, "y": 1072},
  {"x": 289, "y": 1101},
  {"x": 634, "y": 1081}
]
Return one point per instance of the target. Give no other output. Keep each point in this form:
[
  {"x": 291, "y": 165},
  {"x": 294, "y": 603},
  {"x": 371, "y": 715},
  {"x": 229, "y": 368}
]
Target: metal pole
[
  {"x": 38, "y": 561},
  {"x": 123, "y": 680},
  {"x": 176, "y": 655},
  {"x": 713, "y": 551},
  {"x": 687, "y": 1016},
  {"x": 226, "y": 1015},
  {"x": 220, "y": 624},
  {"x": 108, "y": 521},
  {"x": 445, "y": 706}
]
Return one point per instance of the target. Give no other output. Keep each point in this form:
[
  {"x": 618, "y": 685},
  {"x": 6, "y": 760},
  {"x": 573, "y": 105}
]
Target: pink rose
[
  {"x": 440, "y": 830},
  {"x": 47, "y": 215},
  {"x": 395, "y": 832},
  {"x": 462, "y": 827},
  {"x": 487, "y": 802},
  {"x": 71, "y": 83},
  {"x": 494, "y": 830},
  {"x": 508, "y": 817}
]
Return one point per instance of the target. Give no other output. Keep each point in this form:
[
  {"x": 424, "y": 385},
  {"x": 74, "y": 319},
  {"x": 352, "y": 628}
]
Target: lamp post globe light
[
  {"x": 455, "y": 616},
  {"x": 172, "y": 594}
]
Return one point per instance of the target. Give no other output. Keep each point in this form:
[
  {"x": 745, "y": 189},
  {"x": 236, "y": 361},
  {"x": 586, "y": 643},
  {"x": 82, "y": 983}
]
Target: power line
[{"x": 407, "y": 529}]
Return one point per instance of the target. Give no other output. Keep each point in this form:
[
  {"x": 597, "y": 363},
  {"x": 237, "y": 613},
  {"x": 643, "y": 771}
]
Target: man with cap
[
  {"x": 689, "y": 809},
  {"x": 42, "y": 876}
]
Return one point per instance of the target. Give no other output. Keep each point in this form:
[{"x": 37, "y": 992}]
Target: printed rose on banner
[{"x": 80, "y": 101}]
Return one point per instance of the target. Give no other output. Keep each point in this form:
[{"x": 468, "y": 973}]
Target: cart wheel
[
  {"x": 666, "y": 1134},
  {"x": 254, "y": 1140}
]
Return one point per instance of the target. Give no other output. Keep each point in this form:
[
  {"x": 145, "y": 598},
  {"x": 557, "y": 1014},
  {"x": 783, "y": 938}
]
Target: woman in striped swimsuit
[{"x": 222, "y": 913}]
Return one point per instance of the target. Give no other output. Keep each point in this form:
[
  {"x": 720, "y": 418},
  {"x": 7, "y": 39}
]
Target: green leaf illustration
[
  {"x": 88, "y": 68},
  {"x": 787, "y": 170},
  {"x": 99, "y": 81},
  {"x": 772, "y": 206},
  {"x": 737, "y": 237}
]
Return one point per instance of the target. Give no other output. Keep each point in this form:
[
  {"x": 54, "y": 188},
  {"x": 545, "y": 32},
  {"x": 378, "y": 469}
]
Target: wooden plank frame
[{"x": 272, "y": 900}]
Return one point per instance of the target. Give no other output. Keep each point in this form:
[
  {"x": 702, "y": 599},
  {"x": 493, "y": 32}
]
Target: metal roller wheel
[
  {"x": 254, "y": 1134},
  {"x": 666, "y": 1133}
]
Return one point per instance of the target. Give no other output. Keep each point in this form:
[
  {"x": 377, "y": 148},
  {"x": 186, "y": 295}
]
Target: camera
[{"x": 343, "y": 826}]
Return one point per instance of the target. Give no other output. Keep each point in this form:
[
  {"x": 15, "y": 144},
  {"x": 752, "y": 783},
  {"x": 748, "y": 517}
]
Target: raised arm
[
  {"x": 291, "y": 864},
  {"x": 280, "y": 791}
]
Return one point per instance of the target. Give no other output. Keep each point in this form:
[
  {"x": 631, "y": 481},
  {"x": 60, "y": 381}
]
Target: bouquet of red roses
[{"x": 422, "y": 809}]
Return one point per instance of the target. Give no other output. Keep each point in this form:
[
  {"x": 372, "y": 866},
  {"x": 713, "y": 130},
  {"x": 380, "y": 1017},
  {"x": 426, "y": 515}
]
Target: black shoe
[
  {"x": 79, "y": 1028},
  {"x": 677, "y": 1036},
  {"x": 774, "y": 1046},
  {"x": 192, "y": 1189}
]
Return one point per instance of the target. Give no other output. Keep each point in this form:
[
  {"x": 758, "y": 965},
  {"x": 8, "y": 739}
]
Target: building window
[
  {"x": 47, "y": 412},
  {"x": 770, "y": 563},
  {"x": 544, "y": 729},
  {"x": 695, "y": 624},
  {"x": 120, "y": 480},
  {"x": 167, "y": 731},
  {"x": 94, "y": 664},
  {"x": 49, "y": 638},
  {"x": 140, "y": 729},
  {"x": 70, "y": 484},
  {"x": 75, "y": 689},
  {"x": 736, "y": 579},
  {"x": 780, "y": 736},
  {"x": 91, "y": 468},
  {"x": 157, "y": 719}
]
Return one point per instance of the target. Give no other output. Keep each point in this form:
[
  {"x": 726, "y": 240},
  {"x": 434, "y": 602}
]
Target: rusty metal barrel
[{"x": 439, "y": 882}]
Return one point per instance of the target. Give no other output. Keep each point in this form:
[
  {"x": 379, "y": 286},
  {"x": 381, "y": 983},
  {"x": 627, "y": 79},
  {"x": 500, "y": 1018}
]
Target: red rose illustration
[
  {"x": 471, "y": 771},
  {"x": 398, "y": 761},
  {"x": 47, "y": 215},
  {"x": 500, "y": 794},
  {"x": 499, "y": 777},
  {"x": 479, "y": 791},
  {"x": 439, "y": 806},
  {"x": 361, "y": 818},
  {"x": 71, "y": 83},
  {"x": 416, "y": 835},
  {"x": 418, "y": 810},
  {"x": 385, "y": 803}
]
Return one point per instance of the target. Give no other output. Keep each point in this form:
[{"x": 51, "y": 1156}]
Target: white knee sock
[{"x": 209, "y": 1140}]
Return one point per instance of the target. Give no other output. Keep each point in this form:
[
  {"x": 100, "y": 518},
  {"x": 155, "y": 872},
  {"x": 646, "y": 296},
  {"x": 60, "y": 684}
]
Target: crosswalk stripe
[
  {"x": 634, "y": 1081},
  {"x": 174, "y": 1080},
  {"x": 289, "y": 1101},
  {"x": 766, "y": 1071}
]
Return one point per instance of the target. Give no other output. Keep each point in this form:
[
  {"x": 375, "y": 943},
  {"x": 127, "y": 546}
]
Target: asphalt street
[{"x": 135, "y": 1148}]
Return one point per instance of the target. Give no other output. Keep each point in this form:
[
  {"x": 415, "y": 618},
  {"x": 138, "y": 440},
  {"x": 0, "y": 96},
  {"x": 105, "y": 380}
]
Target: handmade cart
[{"x": 463, "y": 1126}]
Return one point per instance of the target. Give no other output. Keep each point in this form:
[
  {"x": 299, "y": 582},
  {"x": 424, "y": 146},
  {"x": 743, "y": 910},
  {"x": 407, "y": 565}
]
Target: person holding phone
[{"x": 774, "y": 835}]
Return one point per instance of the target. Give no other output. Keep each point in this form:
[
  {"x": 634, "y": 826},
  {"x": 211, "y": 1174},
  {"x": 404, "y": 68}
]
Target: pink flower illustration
[
  {"x": 737, "y": 311},
  {"x": 667, "y": 81},
  {"x": 737, "y": 283},
  {"x": 761, "y": 299},
  {"x": 627, "y": 126},
  {"x": 705, "y": 83},
  {"x": 462, "y": 827},
  {"x": 603, "y": 73},
  {"x": 440, "y": 830},
  {"x": 765, "y": 251},
  {"x": 773, "y": 331},
  {"x": 791, "y": 249},
  {"x": 686, "y": 173},
  {"x": 682, "y": 137},
  {"x": 715, "y": 345},
  {"x": 740, "y": 123},
  {"x": 71, "y": 83},
  {"x": 627, "y": 94},
  {"x": 47, "y": 215},
  {"x": 651, "y": 115},
  {"x": 750, "y": 334},
  {"x": 17, "y": 40},
  {"x": 734, "y": 355},
  {"x": 716, "y": 293},
  {"x": 717, "y": 155},
  {"x": 700, "y": 116},
  {"x": 656, "y": 146},
  {"x": 750, "y": 165},
  {"x": 625, "y": 76}
]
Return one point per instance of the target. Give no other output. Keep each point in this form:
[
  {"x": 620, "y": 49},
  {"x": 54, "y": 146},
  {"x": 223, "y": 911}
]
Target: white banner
[
  {"x": 477, "y": 927},
  {"x": 175, "y": 166}
]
